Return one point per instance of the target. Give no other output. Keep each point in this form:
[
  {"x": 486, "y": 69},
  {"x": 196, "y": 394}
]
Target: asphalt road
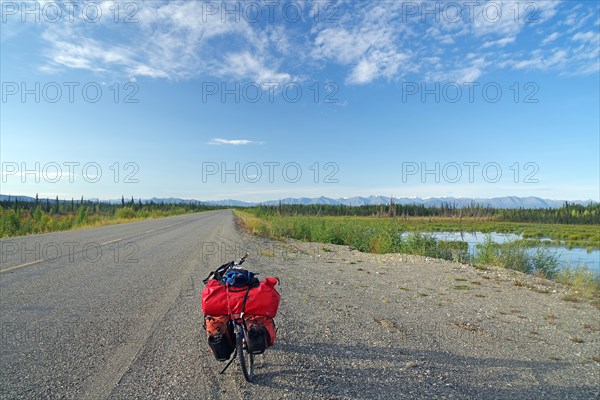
[
  {"x": 114, "y": 313},
  {"x": 111, "y": 312}
]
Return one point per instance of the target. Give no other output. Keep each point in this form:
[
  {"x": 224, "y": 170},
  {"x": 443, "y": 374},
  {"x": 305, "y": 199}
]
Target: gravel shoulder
[{"x": 354, "y": 326}]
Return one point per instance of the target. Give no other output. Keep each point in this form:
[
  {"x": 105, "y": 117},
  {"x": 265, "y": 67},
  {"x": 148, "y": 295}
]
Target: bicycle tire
[{"x": 246, "y": 358}]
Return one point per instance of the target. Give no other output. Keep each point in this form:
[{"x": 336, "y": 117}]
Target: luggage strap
[
  {"x": 251, "y": 286},
  {"x": 245, "y": 299}
]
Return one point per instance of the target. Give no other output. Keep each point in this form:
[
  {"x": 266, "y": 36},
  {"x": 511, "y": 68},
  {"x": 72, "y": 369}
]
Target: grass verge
[
  {"x": 385, "y": 236},
  {"x": 23, "y": 222}
]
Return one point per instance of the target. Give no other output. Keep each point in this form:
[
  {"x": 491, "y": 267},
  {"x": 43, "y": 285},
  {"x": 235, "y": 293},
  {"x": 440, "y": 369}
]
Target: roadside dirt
[{"x": 354, "y": 326}]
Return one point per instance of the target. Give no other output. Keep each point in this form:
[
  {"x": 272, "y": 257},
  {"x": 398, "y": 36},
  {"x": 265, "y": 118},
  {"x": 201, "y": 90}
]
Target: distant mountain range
[
  {"x": 496, "y": 202},
  {"x": 460, "y": 202}
]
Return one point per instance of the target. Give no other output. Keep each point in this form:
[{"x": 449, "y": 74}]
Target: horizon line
[{"x": 128, "y": 198}]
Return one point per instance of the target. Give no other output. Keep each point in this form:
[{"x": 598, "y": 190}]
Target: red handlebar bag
[{"x": 218, "y": 299}]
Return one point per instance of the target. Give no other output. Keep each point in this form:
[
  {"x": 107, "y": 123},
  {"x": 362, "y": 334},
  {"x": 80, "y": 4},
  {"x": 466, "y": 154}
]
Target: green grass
[
  {"x": 23, "y": 222},
  {"x": 388, "y": 235},
  {"x": 587, "y": 236},
  {"x": 584, "y": 282},
  {"x": 364, "y": 234}
]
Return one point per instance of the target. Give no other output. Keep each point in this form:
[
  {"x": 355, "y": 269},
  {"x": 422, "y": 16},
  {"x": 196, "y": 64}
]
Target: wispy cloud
[
  {"x": 235, "y": 142},
  {"x": 499, "y": 43},
  {"x": 172, "y": 40},
  {"x": 246, "y": 65},
  {"x": 550, "y": 38},
  {"x": 370, "y": 43},
  {"x": 179, "y": 40}
]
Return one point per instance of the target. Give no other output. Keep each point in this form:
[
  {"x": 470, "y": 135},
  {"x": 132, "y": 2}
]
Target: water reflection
[{"x": 576, "y": 256}]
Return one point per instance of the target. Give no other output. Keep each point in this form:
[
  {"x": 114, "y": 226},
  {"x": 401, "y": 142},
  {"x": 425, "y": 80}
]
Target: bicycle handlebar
[
  {"x": 223, "y": 269},
  {"x": 241, "y": 260}
]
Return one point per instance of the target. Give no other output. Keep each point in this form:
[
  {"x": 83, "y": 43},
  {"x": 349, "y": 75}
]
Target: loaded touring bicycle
[{"x": 238, "y": 314}]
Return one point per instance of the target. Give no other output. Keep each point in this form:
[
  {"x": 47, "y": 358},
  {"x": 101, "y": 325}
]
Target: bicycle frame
[{"x": 239, "y": 329}]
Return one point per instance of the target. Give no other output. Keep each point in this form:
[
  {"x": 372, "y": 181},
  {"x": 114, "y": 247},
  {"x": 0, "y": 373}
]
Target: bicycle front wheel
[{"x": 246, "y": 358}]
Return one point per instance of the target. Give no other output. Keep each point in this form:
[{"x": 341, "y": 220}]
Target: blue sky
[{"x": 264, "y": 100}]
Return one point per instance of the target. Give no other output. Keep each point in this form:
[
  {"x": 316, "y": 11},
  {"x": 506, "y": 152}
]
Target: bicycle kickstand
[{"x": 229, "y": 363}]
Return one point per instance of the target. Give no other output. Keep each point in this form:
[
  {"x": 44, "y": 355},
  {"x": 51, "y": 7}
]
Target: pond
[{"x": 576, "y": 256}]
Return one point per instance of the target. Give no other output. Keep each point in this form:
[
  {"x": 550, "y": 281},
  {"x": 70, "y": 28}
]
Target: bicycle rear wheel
[{"x": 246, "y": 358}]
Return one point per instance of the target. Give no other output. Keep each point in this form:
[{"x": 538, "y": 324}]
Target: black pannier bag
[
  {"x": 220, "y": 346},
  {"x": 219, "y": 336},
  {"x": 261, "y": 333},
  {"x": 257, "y": 340}
]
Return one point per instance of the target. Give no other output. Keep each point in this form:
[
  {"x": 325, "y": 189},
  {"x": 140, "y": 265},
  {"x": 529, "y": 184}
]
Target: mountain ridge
[{"x": 459, "y": 202}]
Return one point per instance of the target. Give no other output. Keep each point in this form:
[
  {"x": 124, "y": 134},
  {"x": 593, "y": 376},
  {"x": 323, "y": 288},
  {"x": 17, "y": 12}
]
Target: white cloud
[
  {"x": 499, "y": 43},
  {"x": 469, "y": 74},
  {"x": 470, "y": 70},
  {"x": 246, "y": 65},
  {"x": 557, "y": 57},
  {"x": 178, "y": 40},
  {"x": 367, "y": 43},
  {"x": 550, "y": 38},
  {"x": 586, "y": 36},
  {"x": 235, "y": 142},
  {"x": 543, "y": 62},
  {"x": 446, "y": 39},
  {"x": 144, "y": 70},
  {"x": 172, "y": 40},
  {"x": 384, "y": 42},
  {"x": 364, "y": 72},
  {"x": 577, "y": 18}
]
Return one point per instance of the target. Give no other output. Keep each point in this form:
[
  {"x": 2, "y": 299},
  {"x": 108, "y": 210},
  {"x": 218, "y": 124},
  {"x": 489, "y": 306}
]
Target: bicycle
[
  {"x": 241, "y": 310},
  {"x": 238, "y": 327}
]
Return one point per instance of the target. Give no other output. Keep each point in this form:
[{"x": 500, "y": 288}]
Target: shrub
[
  {"x": 420, "y": 244},
  {"x": 82, "y": 215},
  {"x": 9, "y": 224},
  {"x": 583, "y": 280},
  {"x": 453, "y": 250},
  {"x": 37, "y": 214},
  {"x": 125, "y": 212},
  {"x": 487, "y": 252},
  {"x": 513, "y": 255},
  {"x": 546, "y": 262}
]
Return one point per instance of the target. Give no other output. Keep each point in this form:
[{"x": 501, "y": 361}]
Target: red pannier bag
[
  {"x": 218, "y": 299},
  {"x": 260, "y": 322},
  {"x": 219, "y": 336},
  {"x": 216, "y": 325}
]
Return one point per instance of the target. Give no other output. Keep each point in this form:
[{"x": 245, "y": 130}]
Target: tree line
[
  {"x": 18, "y": 217},
  {"x": 567, "y": 214}
]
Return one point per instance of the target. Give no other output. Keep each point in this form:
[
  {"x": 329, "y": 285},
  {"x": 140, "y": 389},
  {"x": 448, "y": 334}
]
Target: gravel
[{"x": 365, "y": 326}]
